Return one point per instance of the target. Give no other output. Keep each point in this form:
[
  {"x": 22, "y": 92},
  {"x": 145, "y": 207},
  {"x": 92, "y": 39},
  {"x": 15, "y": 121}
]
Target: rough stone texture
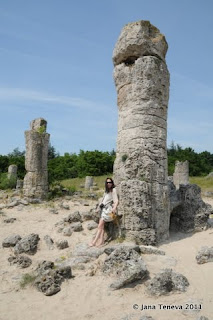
[
  {"x": 188, "y": 211},
  {"x": 19, "y": 184},
  {"x": 140, "y": 169},
  {"x": 92, "y": 225},
  {"x": 88, "y": 182},
  {"x": 202, "y": 318},
  {"x": 87, "y": 215},
  {"x": 151, "y": 250},
  {"x": 27, "y": 244},
  {"x": 21, "y": 261},
  {"x": 205, "y": 255},
  {"x": 73, "y": 217},
  {"x": 12, "y": 172},
  {"x": 181, "y": 173},
  {"x": 62, "y": 244},
  {"x": 9, "y": 220},
  {"x": 11, "y": 241},
  {"x": 49, "y": 277},
  {"x": 166, "y": 282},
  {"x": 83, "y": 250},
  {"x": 37, "y": 141},
  {"x": 126, "y": 265},
  {"x": 49, "y": 242}
]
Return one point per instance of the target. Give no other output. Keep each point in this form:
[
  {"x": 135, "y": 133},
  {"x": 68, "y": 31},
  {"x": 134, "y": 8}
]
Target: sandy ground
[{"x": 88, "y": 297}]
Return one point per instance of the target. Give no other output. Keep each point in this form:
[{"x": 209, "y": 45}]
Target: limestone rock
[
  {"x": 166, "y": 282},
  {"x": 87, "y": 215},
  {"x": 92, "y": 225},
  {"x": 21, "y": 261},
  {"x": 62, "y": 244},
  {"x": 181, "y": 173},
  {"x": 27, "y": 244},
  {"x": 205, "y": 255},
  {"x": 151, "y": 250},
  {"x": 140, "y": 168},
  {"x": 190, "y": 212},
  {"x": 49, "y": 277},
  {"x": 67, "y": 231},
  {"x": 126, "y": 265},
  {"x": 83, "y": 249},
  {"x": 11, "y": 241},
  {"x": 9, "y": 220},
  {"x": 109, "y": 249},
  {"x": 88, "y": 182},
  {"x": 37, "y": 141},
  {"x": 12, "y": 173},
  {"x": 73, "y": 217},
  {"x": 49, "y": 242}
]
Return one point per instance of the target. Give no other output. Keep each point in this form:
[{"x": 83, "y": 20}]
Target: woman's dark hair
[{"x": 113, "y": 185}]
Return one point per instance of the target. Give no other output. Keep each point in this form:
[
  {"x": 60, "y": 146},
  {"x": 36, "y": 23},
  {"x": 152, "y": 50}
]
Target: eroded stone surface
[
  {"x": 167, "y": 281},
  {"x": 205, "y": 255},
  {"x": 37, "y": 141},
  {"x": 27, "y": 244},
  {"x": 126, "y": 266},
  {"x": 140, "y": 169},
  {"x": 181, "y": 173}
]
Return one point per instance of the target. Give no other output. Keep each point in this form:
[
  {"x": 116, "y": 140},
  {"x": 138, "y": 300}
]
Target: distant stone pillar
[
  {"x": 181, "y": 173},
  {"x": 88, "y": 182},
  {"x": 12, "y": 172},
  {"x": 37, "y": 141},
  {"x": 140, "y": 169}
]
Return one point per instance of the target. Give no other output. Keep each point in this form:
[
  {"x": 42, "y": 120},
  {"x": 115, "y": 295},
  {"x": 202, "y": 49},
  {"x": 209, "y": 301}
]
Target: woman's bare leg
[{"x": 99, "y": 234}]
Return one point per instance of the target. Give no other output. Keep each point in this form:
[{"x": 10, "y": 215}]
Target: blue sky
[{"x": 56, "y": 63}]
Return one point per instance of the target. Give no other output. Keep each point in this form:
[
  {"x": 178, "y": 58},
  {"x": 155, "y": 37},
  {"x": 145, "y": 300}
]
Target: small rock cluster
[
  {"x": 167, "y": 281},
  {"x": 49, "y": 277},
  {"x": 205, "y": 255}
]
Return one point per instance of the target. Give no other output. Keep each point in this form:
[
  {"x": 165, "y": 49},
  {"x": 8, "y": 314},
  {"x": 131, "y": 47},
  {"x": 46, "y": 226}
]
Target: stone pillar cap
[{"x": 139, "y": 39}]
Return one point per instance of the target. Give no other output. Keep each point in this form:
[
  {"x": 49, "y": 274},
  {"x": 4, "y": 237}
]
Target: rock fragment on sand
[
  {"x": 126, "y": 265},
  {"x": 205, "y": 255},
  {"x": 151, "y": 250},
  {"x": 21, "y": 261},
  {"x": 62, "y": 244},
  {"x": 49, "y": 242},
  {"x": 11, "y": 241},
  {"x": 49, "y": 277},
  {"x": 27, "y": 244},
  {"x": 167, "y": 281}
]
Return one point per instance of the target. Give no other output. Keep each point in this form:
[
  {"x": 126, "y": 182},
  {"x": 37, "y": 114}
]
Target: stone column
[
  {"x": 181, "y": 173},
  {"x": 88, "y": 182},
  {"x": 12, "y": 172},
  {"x": 37, "y": 141},
  {"x": 140, "y": 169}
]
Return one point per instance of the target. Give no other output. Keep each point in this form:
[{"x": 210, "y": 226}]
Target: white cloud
[{"x": 18, "y": 94}]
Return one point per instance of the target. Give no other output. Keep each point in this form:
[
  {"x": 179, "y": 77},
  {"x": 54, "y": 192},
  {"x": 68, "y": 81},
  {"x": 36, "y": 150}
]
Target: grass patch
[
  {"x": 78, "y": 183},
  {"x": 27, "y": 279},
  {"x": 206, "y": 184}
]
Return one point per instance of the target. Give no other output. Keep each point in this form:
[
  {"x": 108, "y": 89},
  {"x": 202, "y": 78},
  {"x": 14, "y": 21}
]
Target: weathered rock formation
[
  {"x": 140, "y": 169},
  {"x": 205, "y": 255},
  {"x": 37, "y": 141},
  {"x": 88, "y": 182},
  {"x": 12, "y": 172},
  {"x": 181, "y": 173},
  {"x": 188, "y": 212},
  {"x": 167, "y": 281}
]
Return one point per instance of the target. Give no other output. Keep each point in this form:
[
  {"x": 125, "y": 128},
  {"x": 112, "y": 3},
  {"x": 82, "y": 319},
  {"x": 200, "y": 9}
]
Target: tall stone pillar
[
  {"x": 181, "y": 174},
  {"x": 12, "y": 172},
  {"x": 140, "y": 169},
  {"x": 37, "y": 141}
]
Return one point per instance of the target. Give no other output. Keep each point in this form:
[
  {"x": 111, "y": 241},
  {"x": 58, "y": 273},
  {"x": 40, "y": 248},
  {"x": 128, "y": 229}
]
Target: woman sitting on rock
[{"x": 108, "y": 207}]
